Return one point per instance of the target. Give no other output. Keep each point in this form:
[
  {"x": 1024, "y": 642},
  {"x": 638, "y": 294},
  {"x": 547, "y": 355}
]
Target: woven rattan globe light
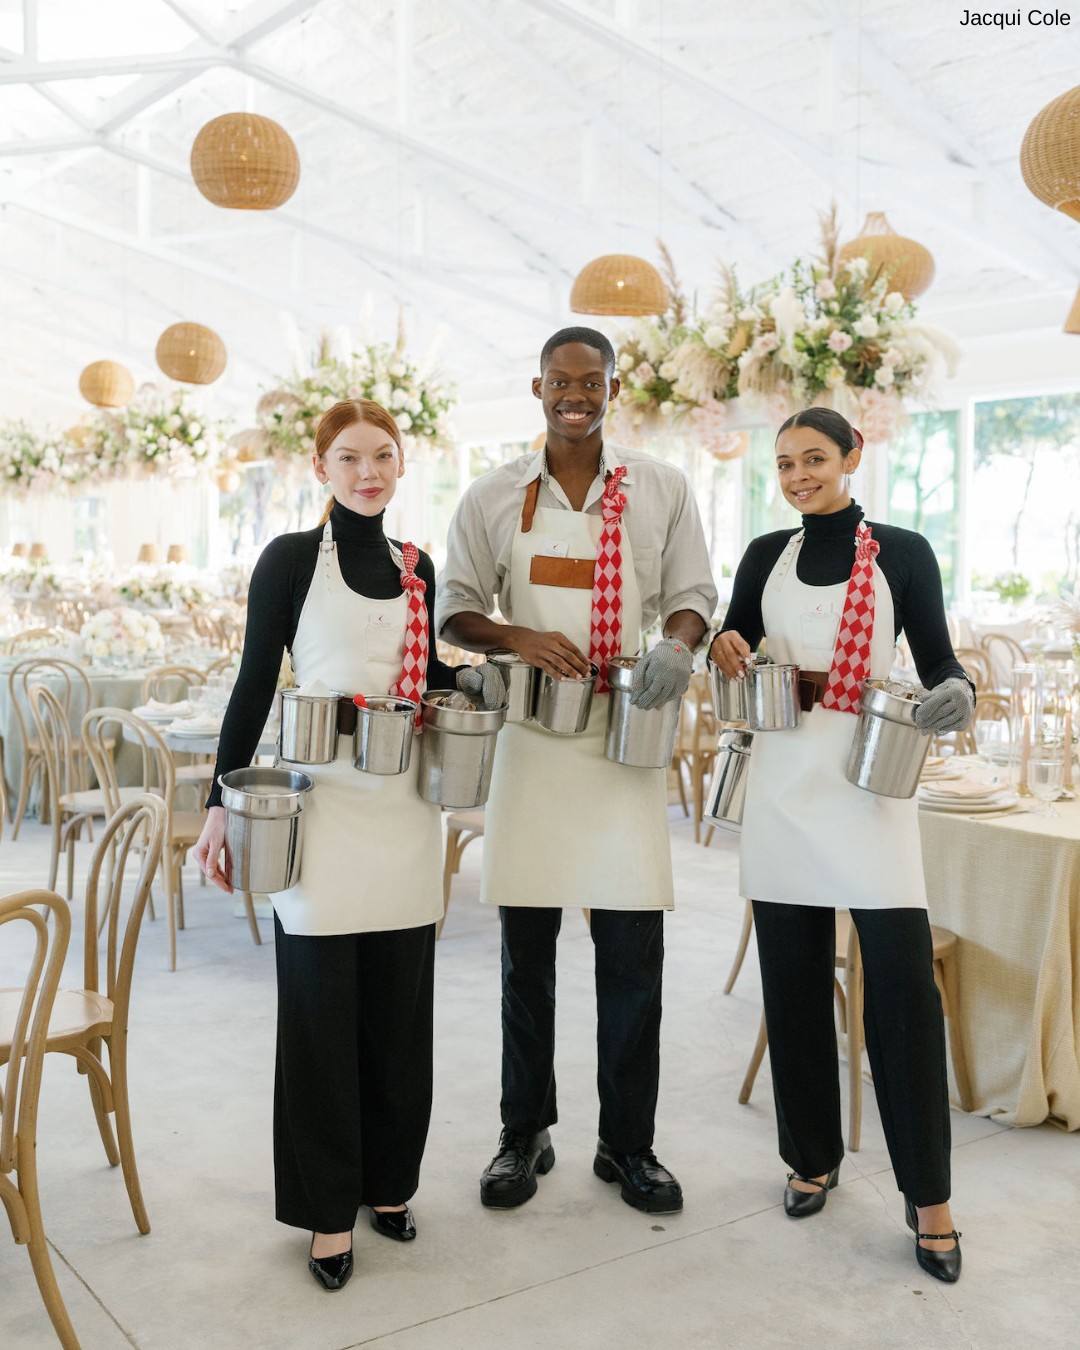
[
  {"x": 245, "y": 162},
  {"x": 106, "y": 384},
  {"x": 190, "y": 353},
  {"x": 908, "y": 266},
  {"x": 619, "y": 283},
  {"x": 1072, "y": 323},
  {"x": 1050, "y": 154}
]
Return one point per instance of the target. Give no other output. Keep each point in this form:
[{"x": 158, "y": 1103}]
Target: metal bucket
[
  {"x": 562, "y": 706},
  {"x": 457, "y": 751},
  {"x": 888, "y": 750},
  {"x": 308, "y": 727},
  {"x": 728, "y": 695},
  {"x": 382, "y": 741},
  {"x": 772, "y": 697},
  {"x": 642, "y": 737},
  {"x": 727, "y": 793},
  {"x": 521, "y": 681},
  {"x": 264, "y": 826}
]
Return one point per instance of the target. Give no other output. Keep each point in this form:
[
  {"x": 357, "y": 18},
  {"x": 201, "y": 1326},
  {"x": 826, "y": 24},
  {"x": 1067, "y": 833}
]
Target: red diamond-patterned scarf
[
  {"x": 413, "y": 679},
  {"x": 605, "y": 635},
  {"x": 851, "y": 659}
]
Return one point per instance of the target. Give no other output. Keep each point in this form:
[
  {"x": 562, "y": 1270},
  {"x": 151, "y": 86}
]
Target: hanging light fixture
[
  {"x": 1072, "y": 323},
  {"x": 190, "y": 353},
  {"x": 908, "y": 266},
  {"x": 106, "y": 384},
  {"x": 619, "y": 283},
  {"x": 245, "y": 162},
  {"x": 1050, "y": 154}
]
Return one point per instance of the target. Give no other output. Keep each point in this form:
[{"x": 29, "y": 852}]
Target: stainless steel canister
[
  {"x": 562, "y": 706},
  {"x": 772, "y": 697},
  {"x": 382, "y": 741},
  {"x": 264, "y": 826},
  {"x": 728, "y": 695},
  {"x": 521, "y": 681},
  {"x": 308, "y": 727},
  {"x": 727, "y": 792},
  {"x": 888, "y": 750},
  {"x": 642, "y": 737},
  {"x": 457, "y": 751}
]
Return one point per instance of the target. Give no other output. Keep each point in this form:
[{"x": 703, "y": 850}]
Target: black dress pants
[
  {"x": 352, "y": 1095},
  {"x": 905, "y": 1039},
  {"x": 629, "y": 953}
]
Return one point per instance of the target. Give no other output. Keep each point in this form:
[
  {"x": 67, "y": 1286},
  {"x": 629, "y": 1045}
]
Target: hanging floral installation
[{"x": 39, "y": 462}]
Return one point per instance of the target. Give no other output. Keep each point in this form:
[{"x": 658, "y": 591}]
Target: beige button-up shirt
[{"x": 661, "y": 517}]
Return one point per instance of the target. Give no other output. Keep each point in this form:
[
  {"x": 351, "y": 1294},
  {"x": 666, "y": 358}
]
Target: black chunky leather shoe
[
  {"x": 942, "y": 1265},
  {"x": 801, "y": 1204},
  {"x": 398, "y": 1224},
  {"x": 332, "y": 1272},
  {"x": 646, "y": 1184},
  {"x": 510, "y": 1178}
]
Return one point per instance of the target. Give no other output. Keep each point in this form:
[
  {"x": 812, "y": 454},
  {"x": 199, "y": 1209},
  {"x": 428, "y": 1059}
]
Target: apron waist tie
[{"x": 812, "y": 686}]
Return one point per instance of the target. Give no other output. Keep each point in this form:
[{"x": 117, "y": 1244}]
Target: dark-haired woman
[
  {"x": 355, "y": 936},
  {"x": 832, "y": 596}
]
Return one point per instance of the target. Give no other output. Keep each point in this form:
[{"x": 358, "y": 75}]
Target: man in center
[{"x": 582, "y": 546}]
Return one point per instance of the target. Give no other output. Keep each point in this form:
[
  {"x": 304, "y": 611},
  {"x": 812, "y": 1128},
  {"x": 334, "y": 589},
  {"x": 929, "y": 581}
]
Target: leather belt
[{"x": 812, "y": 686}]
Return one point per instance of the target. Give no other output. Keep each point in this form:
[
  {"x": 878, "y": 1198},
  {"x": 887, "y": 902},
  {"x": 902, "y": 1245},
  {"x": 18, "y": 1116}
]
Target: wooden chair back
[
  {"x": 1002, "y": 652},
  {"x": 158, "y": 775},
  {"x": 57, "y": 743},
  {"x": 69, "y": 682},
  {"x": 31, "y": 638},
  {"x": 977, "y": 665},
  {"x": 991, "y": 708},
  {"x": 170, "y": 684}
]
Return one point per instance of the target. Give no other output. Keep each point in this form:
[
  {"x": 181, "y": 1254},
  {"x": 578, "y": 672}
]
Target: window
[{"x": 924, "y": 471}]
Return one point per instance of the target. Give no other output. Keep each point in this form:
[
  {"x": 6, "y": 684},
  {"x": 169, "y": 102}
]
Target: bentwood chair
[
  {"x": 977, "y": 665},
  {"x": 695, "y": 742},
  {"x": 71, "y": 687},
  {"x": 462, "y": 827},
  {"x": 1002, "y": 652},
  {"x": 24, "y": 1022},
  {"x": 171, "y": 684}
]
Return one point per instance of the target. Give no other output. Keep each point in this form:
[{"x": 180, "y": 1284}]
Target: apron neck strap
[
  {"x": 528, "y": 509},
  {"x": 788, "y": 556},
  {"x": 327, "y": 538}
]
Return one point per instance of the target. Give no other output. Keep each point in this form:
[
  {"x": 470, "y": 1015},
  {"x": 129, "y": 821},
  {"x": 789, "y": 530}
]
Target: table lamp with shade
[
  {"x": 178, "y": 553},
  {"x": 38, "y": 552},
  {"x": 148, "y": 553}
]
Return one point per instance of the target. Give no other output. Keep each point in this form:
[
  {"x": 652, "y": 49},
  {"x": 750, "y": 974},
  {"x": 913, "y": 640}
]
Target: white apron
[
  {"x": 372, "y": 854},
  {"x": 809, "y": 837},
  {"x": 564, "y": 826}
]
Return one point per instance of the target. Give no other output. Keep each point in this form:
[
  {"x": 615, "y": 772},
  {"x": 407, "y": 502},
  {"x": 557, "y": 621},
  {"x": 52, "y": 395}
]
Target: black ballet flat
[
  {"x": 801, "y": 1204},
  {"x": 942, "y": 1265},
  {"x": 398, "y": 1224},
  {"x": 332, "y": 1272}
]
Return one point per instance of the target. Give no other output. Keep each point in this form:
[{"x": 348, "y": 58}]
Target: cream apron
[
  {"x": 566, "y": 827},
  {"x": 372, "y": 854},
  {"x": 809, "y": 837}
]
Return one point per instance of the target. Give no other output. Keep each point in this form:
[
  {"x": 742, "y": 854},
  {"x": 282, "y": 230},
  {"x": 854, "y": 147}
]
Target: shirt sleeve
[
  {"x": 470, "y": 578},
  {"x": 744, "y": 612},
  {"x": 686, "y": 580},
  {"x": 924, "y": 619}
]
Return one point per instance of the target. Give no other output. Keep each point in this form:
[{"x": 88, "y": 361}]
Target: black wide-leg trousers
[
  {"x": 352, "y": 1094},
  {"x": 905, "y": 1040},
  {"x": 629, "y": 956}
]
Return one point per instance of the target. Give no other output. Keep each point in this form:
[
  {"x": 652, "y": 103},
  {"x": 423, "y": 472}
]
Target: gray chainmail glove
[
  {"x": 662, "y": 674},
  {"x": 948, "y": 707},
  {"x": 483, "y": 684}
]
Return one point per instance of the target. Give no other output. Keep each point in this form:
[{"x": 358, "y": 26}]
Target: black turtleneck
[
  {"x": 276, "y": 595},
  {"x": 826, "y": 559}
]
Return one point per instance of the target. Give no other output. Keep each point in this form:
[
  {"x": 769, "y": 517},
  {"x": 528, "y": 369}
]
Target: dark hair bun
[{"x": 829, "y": 423}]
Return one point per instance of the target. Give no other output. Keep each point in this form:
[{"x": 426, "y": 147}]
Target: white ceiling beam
[
  {"x": 30, "y": 29},
  {"x": 259, "y": 20},
  {"x": 404, "y": 37},
  {"x": 200, "y": 29},
  {"x": 62, "y": 105},
  {"x": 47, "y": 145},
  {"x": 93, "y": 67}
]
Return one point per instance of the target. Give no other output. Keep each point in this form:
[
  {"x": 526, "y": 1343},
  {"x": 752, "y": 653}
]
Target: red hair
[{"x": 346, "y": 414}]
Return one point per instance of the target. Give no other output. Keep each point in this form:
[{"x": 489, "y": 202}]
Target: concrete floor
[{"x": 573, "y": 1268}]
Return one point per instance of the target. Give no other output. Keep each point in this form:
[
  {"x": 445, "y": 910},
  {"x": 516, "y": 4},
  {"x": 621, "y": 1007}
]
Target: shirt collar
[{"x": 535, "y": 465}]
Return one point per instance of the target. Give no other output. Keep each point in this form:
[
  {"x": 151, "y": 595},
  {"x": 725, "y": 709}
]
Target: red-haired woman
[{"x": 355, "y": 937}]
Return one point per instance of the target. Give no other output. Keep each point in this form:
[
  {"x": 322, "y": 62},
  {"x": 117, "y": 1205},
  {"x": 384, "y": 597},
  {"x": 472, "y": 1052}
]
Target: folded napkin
[
  {"x": 155, "y": 707},
  {"x": 203, "y": 724},
  {"x": 933, "y": 761},
  {"x": 961, "y": 788},
  {"x": 314, "y": 689}
]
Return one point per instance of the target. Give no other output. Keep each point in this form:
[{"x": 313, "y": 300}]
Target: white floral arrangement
[
  {"x": 122, "y": 634},
  {"x": 39, "y": 462},
  {"x": 31, "y": 579},
  {"x": 174, "y": 586},
  {"x": 159, "y": 432}
]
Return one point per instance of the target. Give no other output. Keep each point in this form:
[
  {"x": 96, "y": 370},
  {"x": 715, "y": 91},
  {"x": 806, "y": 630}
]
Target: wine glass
[{"x": 1046, "y": 773}]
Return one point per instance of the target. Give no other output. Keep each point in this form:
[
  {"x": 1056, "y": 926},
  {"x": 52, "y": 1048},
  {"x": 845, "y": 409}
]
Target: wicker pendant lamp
[
  {"x": 106, "y": 384},
  {"x": 245, "y": 162},
  {"x": 1072, "y": 323},
  {"x": 1050, "y": 154},
  {"x": 190, "y": 353},
  {"x": 908, "y": 266},
  {"x": 619, "y": 283}
]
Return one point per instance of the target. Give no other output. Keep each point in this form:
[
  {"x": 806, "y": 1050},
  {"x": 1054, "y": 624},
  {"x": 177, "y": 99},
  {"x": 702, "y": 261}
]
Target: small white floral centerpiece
[
  {"x": 122, "y": 637},
  {"x": 175, "y": 586}
]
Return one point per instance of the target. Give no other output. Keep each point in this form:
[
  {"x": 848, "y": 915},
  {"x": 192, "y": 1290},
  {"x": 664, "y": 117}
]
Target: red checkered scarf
[
  {"x": 851, "y": 659},
  {"x": 605, "y": 634},
  {"x": 413, "y": 679}
]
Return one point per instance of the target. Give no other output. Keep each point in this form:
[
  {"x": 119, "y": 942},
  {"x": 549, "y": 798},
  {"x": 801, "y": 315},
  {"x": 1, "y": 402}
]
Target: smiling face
[
  {"x": 575, "y": 389},
  {"x": 813, "y": 471},
  {"x": 362, "y": 465}
]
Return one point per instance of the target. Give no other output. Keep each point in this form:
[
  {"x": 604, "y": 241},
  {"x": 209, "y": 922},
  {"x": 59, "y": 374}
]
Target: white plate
[
  {"x": 990, "y": 794},
  {"x": 195, "y": 733},
  {"x": 1004, "y": 803}
]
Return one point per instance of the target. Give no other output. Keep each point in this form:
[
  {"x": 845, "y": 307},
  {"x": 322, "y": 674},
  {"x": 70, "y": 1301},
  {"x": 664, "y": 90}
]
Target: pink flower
[
  {"x": 645, "y": 372},
  {"x": 825, "y": 289},
  {"x": 838, "y": 342}
]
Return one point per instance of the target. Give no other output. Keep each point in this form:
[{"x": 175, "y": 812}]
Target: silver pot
[
  {"x": 728, "y": 695},
  {"x": 457, "y": 751},
  {"x": 888, "y": 750},
  {"x": 521, "y": 681},
  {"x": 382, "y": 741},
  {"x": 308, "y": 727},
  {"x": 772, "y": 697},
  {"x": 642, "y": 737},
  {"x": 727, "y": 792},
  {"x": 264, "y": 826},
  {"x": 562, "y": 706}
]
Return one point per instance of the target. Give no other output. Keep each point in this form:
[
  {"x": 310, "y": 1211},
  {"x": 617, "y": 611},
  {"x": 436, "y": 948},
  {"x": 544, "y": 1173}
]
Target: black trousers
[
  {"x": 352, "y": 1096},
  {"x": 905, "y": 1039},
  {"x": 629, "y": 954}
]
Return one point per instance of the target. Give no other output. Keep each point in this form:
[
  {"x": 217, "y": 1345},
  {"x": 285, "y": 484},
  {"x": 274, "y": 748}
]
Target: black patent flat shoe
[
  {"x": 801, "y": 1204},
  {"x": 646, "y": 1184},
  {"x": 397, "y": 1224},
  {"x": 942, "y": 1265},
  {"x": 332, "y": 1272}
]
